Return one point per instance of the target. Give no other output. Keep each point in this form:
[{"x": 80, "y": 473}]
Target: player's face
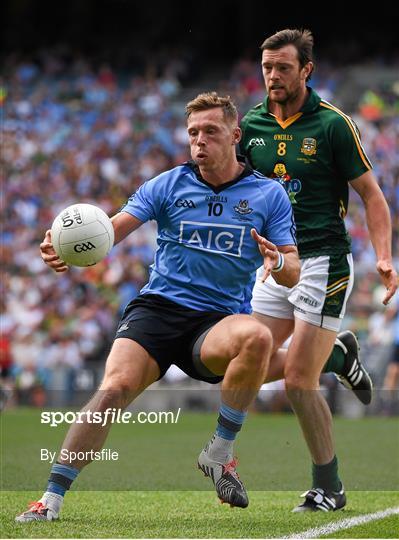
[
  {"x": 284, "y": 78},
  {"x": 211, "y": 138}
]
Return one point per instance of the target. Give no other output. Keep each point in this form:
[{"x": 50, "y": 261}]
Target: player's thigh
[
  {"x": 281, "y": 329},
  {"x": 226, "y": 339},
  {"x": 129, "y": 368},
  {"x": 307, "y": 354}
]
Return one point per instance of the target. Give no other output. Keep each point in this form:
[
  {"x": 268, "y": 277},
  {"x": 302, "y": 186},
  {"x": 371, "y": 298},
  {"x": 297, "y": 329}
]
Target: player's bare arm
[
  {"x": 380, "y": 229},
  {"x": 280, "y": 261},
  {"x": 122, "y": 222}
]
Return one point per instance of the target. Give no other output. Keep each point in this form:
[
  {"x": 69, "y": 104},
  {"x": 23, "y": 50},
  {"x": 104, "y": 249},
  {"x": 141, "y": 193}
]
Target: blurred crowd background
[{"x": 86, "y": 127}]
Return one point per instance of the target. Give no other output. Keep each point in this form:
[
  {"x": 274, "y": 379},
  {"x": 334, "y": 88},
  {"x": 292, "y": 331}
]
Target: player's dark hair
[
  {"x": 211, "y": 100},
  {"x": 301, "y": 39}
]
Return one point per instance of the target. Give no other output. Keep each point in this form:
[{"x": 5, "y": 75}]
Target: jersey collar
[
  {"x": 312, "y": 103},
  {"x": 247, "y": 170}
]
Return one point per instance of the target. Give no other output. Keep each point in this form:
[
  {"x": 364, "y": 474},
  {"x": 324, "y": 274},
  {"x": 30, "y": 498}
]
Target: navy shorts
[{"x": 170, "y": 333}]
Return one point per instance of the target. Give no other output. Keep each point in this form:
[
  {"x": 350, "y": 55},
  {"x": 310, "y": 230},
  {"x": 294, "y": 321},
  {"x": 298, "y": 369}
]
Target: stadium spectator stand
[{"x": 74, "y": 132}]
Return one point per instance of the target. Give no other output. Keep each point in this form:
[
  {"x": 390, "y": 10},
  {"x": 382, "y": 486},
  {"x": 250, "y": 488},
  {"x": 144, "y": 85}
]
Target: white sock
[
  {"x": 220, "y": 450},
  {"x": 53, "y": 501}
]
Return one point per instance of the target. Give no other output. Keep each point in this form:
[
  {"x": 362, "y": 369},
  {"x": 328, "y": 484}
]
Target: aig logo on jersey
[
  {"x": 308, "y": 146},
  {"x": 257, "y": 141},
  {"x": 218, "y": 238}
]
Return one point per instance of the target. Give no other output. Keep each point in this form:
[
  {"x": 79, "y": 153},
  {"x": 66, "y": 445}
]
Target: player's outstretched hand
[
  {"x": 389, "y": 278},
  {"x": 49, "y": 255},
  {"x": 268, "y": 251}
]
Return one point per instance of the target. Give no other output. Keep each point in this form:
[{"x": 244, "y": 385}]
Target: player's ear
[
  {"x": 236, "y": 135},
  {"x": 307, "y": 70}
]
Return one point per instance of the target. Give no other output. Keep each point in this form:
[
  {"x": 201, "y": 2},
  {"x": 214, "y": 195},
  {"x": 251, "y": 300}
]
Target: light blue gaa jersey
[{"x": 206, "y": 259}]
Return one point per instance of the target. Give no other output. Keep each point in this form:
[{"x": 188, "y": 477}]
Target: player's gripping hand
[
  {"x": 49, "y": 255},
  {"x": 389, "y": 278},
  {"x": 269, "y": 253}
]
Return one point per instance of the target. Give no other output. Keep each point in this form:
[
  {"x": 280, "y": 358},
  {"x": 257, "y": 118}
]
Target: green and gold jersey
[{"x": 313, "y": 154}]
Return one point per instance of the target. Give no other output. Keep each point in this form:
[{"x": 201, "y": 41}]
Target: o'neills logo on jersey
[
  {"x": 219, "y": 238},
  {"x": 308, "y": 146},
  {"x": 283, "y": 137}
]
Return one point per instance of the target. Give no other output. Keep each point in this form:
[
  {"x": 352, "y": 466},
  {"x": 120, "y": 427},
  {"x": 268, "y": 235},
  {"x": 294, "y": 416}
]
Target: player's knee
[
  {"x": 298, "y": 379},
  {"x": 264, "y": 339},
  {"x": 117, "y": 390},
  {"x": 258, "y": 342}
]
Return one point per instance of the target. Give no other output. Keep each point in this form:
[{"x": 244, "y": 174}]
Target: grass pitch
[
  {"x": 188, "y": 514},
  {"x": 155, "y": 490}
]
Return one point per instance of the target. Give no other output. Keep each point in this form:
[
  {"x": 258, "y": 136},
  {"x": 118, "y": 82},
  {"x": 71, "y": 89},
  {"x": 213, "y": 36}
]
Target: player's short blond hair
[{"x": 211, "y": 100}]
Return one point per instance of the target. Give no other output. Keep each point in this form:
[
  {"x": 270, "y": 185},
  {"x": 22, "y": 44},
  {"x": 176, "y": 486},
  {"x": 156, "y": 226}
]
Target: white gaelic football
[{"x": 82, "y": 235}]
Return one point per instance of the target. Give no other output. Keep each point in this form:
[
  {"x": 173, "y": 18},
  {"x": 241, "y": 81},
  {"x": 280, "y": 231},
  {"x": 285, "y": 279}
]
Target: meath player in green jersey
[{"x": 314, "y": 150}]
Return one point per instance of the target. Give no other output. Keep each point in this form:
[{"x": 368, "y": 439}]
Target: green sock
[
  {"x": 335, "y": 361},
  {"x": 326, "y": 476}
]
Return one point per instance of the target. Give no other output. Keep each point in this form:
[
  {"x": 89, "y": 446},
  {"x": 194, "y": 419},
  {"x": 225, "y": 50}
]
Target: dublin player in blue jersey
[{"x": 218, "y": 220}]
